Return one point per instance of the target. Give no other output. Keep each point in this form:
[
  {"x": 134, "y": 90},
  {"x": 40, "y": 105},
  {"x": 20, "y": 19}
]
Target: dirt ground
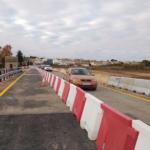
[
  {"x": 103, "y": 75},
  {"x": 132, "y": 74}
]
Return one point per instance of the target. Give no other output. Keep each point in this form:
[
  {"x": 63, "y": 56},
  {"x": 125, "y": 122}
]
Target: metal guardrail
[{"x": 7, "y": 74}]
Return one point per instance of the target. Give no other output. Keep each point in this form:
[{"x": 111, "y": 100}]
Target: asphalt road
[
  {"x": 134, "y": 107},
  {"x": 33, "y": 117}
]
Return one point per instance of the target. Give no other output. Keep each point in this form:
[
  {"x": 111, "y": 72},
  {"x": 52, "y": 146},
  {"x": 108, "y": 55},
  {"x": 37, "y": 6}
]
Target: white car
[{"x": 48, "y": 68}]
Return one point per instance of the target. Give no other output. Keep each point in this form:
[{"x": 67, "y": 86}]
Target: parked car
[
  {"x": 81, "y": 77},
  {"x": 42, "y": 66},
  {"x": 48, "y": 68}
]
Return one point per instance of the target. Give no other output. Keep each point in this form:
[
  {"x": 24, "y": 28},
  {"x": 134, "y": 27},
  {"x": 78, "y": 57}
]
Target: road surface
[
  {"x": 126, "y": 102},
  {"x": 33, "y": 117}
]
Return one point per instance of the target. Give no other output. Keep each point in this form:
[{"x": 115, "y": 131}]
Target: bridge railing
[{"x": 6, "y": 74}]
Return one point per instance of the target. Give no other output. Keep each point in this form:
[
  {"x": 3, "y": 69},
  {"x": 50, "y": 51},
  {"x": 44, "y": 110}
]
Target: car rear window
[{"x": 80, "y": 72}]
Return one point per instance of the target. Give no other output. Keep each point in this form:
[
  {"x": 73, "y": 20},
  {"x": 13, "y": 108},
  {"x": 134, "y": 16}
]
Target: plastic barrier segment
[
  {"x": 116, "y": 132},
  {"x": 79, "y": 104},
  {"x": 58, "y": 85},
  {"x": 91, "y": 116},
  {"x": 55, "y": 84},
  {"x": 71, "y": 96},
  {"x": 61, "y": 89},
  {"x": 143, "y": 142},
  {"x": 51, "y": 83},
  {"x": 49, "y": 79},
  {"x": 54, "y": 79},
  {"x": 66, "y": 91}
]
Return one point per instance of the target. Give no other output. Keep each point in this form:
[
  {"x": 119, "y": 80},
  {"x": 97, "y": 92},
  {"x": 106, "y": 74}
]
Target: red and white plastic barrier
[
  {"x": 65, "y": 91},
  {"x": 143, "y": 142},
  {"x": 116, "y": 131},
  {"x": 49, "y": 79},
  {"x": 62, "y": 84},
  {"x": 56, "y": 83},
  {"x": 111, "y": 129},
  {"x": 92, "y": 116},
  {"x": 53, "y": 81},
  {"x": 79, "y": 103},
  {"x": 52, "y": 78},
  {"x": 71, "y": 96}
]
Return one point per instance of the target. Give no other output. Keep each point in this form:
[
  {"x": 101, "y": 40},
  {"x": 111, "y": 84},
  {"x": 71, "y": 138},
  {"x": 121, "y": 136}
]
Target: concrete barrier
[
  {"x": 142, "y": 86},
  {"x": 137, "y": 85},
  {"x": 91, "y": 116},
  {"x": 143, "y": 142},
  {"x": 114, "y": 81}
]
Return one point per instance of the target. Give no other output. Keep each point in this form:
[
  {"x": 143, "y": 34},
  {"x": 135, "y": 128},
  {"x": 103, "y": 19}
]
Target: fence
[{"x": 7, "y": 74}]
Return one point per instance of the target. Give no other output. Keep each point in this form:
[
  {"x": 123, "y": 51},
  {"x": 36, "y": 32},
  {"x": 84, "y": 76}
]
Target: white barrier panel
[
  {"x": 52, "y": 80},
  {"x": 49, "y": 78},
  {"x": 126, "y": 83},
  {"x": 132, "y": 84},
  {"x": 43, "y": 74},
  {"x": 91, "y": 116},
  {"x": 55, "y": 84},
  {"x": 143, "y": 141},
  {"x": 61, "y": 89},
  {"x": 114, "y": 81},
  {"x": 142, "y": 86},
  {"x": 47, "y": 75},
  {"x": 44, "y": 77},
  {"x": 71, "y": 96},
  {"x": 129, "y": 84}
]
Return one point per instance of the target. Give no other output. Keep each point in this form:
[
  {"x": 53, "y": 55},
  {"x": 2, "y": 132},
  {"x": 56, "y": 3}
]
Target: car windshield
[{"x": 80, "y": 72}]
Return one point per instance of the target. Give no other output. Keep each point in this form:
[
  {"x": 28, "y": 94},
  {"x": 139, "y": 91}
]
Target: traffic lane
[
  {"x": 58, "y": 131},
  {"x": 28, "y": 96},
  {"x": 34, "y": 118},
  {"x": 131, "y": 106},
  {"x": 57, "y": 73}
]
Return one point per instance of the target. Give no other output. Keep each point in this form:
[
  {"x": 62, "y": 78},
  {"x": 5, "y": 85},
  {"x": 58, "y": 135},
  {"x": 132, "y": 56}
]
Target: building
[
  {"x": 49, "y": 62},
  {"x": 10, "y": 62},
  {"x": 36, "y": 60}
]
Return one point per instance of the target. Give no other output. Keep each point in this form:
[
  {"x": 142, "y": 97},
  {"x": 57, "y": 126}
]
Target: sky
[{"x": 89, "y": 29}]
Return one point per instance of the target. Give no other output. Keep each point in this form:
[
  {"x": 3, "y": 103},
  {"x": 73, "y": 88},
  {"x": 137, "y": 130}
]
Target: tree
[
  {"x": 146, "y": 63},
  {"x": 20, "y": 57},
  {"x": 113, "y": 60},
  {"x": 6, "y": 51}
]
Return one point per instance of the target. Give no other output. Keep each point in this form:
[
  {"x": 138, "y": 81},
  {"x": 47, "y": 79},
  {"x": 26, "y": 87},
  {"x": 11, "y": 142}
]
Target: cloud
[
  {"x": 84, "y": 28},
  {"x": 24, "y": 23}
]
